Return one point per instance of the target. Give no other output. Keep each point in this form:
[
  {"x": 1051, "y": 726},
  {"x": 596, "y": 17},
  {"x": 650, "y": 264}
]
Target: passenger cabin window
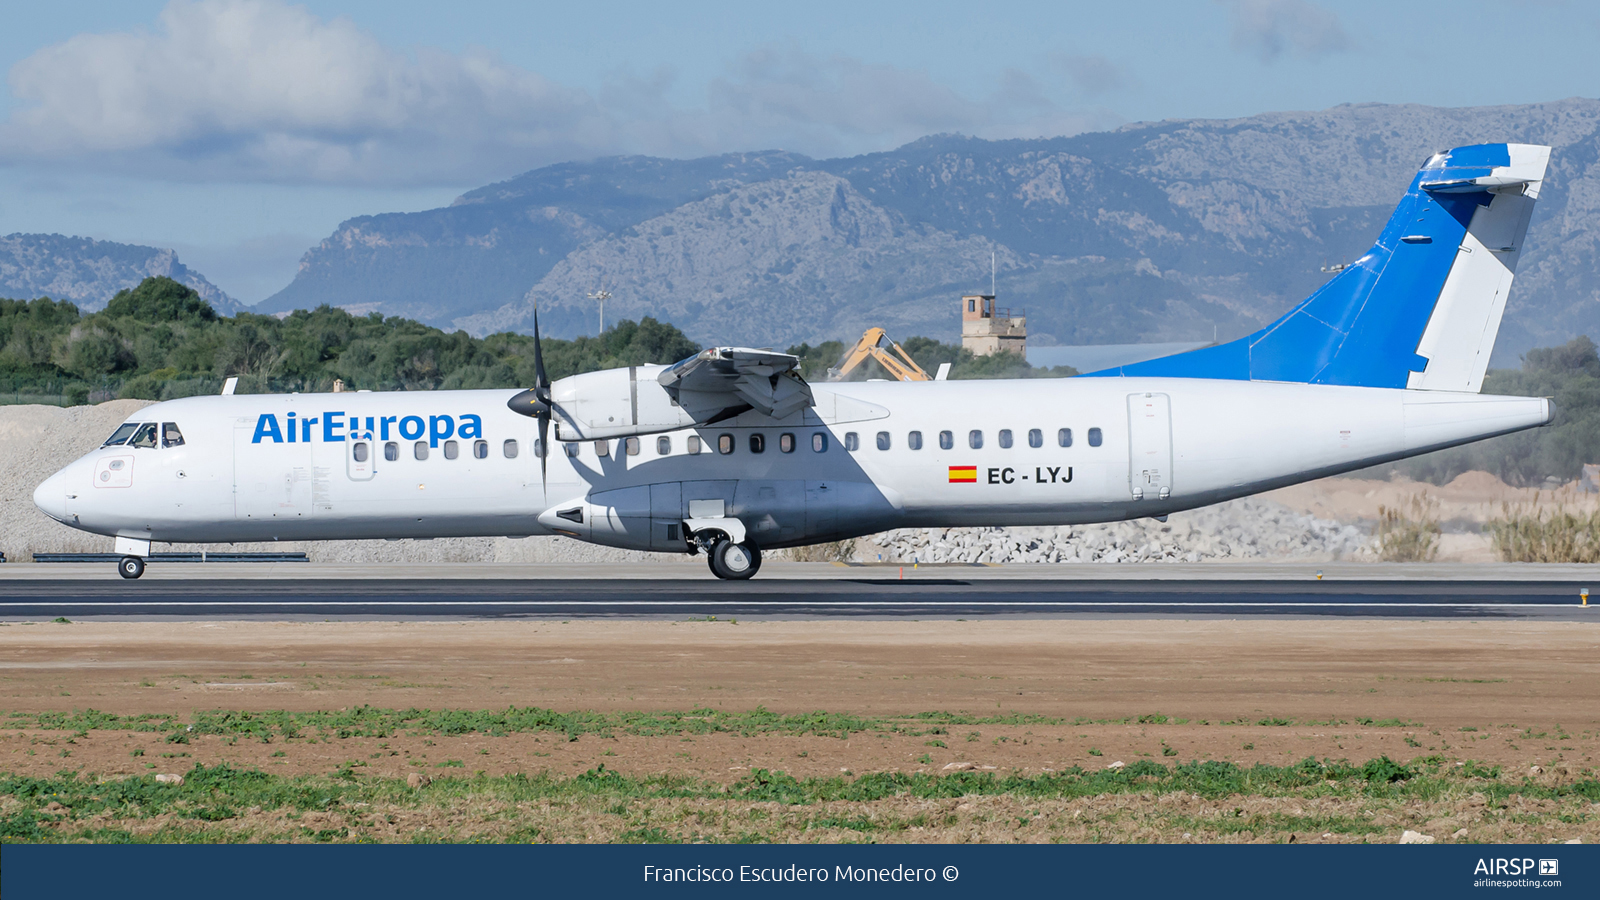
[
  {"x": 359, "y": 451},
  {"x": 632, "y": 446},
  {"x": 663, "y": 446},
  {"x": 1064, "y": 437},
  {"x": 602, "y": 449},
  {"x": 1005, "y": 438},
  {"x": 121, "y": 435},
  {"x": 420, "y": 449},
  {"x": 571, "y": 450},
  {"x": 883, "y": 440},
  {"x": 785, "y": 443},
  {"x": 170, "y": 435},
  {"x": 145, "y": 436},
  {"x": 914, "y": 440},
  {"x": 480, "y": 449},
  {"x": 819, "y": 442},
  {"x": 852, "y": 441},
  {"x": 975, "y": 439},
  {"x": 724, "y": 444},
  {"x": 509, "y": 449},
  {"x": 758, "y": 443},
  {"x": 451, "y": 450},
  {"x": 1094, "y": 437},
  {"x": 692, "y": 445},
  {"x": 391, "y": 451},
  {"x": 1035, "y": 438},
  {"x": 946, "y": 440}
]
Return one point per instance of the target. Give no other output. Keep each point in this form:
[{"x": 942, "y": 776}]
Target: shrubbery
[{"x": 160, "y": 341}]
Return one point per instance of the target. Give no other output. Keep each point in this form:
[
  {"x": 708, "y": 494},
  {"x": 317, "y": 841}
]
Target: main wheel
[
  {"x": 130, "y": 567},
  {"x": 734, "y": 562}
]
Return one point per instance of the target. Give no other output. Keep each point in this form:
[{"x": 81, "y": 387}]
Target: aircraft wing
[{"x": 723, "y": 382}]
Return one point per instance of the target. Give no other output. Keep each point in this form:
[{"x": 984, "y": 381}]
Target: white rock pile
[{"x": 1238, "y": 529}]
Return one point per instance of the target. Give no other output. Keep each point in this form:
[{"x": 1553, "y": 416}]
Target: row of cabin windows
[
  {"x": 725, "y": 444},
  {"x": 452, "y": 450},
  {"x": 947, "y": 439}
]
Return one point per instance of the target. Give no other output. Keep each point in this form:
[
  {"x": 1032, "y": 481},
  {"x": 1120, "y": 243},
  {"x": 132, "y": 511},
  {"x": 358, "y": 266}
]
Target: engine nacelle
[{"x": 615, "y": 403}]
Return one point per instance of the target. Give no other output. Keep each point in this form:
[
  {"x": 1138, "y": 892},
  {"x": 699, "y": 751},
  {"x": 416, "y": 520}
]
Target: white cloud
[
  {"x": 257, "y": 90},
  {"x": 230, "y": 87},
  {"x": 1268, "y": 28}
]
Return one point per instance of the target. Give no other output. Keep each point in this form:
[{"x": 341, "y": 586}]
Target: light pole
[{"x": 602, "y": 295}]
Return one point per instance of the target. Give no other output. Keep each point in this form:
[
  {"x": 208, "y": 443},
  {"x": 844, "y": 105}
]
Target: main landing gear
[
  {"x": 130, "y": 567},
  {"x": 733, "y": 562}
]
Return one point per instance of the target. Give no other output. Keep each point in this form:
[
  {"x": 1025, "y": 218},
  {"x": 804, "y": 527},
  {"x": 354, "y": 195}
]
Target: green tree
[{"x": 160, "y": 299}]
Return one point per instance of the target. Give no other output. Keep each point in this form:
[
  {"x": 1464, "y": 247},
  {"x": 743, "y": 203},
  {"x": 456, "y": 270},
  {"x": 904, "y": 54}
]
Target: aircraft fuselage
[{"x": 865, "y": 458}]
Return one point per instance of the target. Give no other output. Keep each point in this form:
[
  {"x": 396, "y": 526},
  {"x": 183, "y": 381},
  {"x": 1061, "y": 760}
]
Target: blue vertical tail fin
[{"x": 1419, "y": 310}]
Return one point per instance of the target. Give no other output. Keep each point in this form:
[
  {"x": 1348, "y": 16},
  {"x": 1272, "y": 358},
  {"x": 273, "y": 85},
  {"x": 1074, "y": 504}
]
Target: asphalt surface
[{"x": 946, "y": 594}]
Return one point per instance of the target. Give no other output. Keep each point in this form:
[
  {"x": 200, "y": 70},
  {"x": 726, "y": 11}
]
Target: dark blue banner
[{"x": 305, "y": 872}]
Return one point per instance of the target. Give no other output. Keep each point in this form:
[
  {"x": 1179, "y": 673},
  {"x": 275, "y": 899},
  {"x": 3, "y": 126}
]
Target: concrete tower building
[{"x": 987, "y": 329}]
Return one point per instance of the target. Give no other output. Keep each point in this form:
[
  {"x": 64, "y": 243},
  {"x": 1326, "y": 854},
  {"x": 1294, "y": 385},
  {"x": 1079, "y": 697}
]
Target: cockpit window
[
  {"x": 145, "y": 436},
  {"x": 170, "y": 435},
  {"x": 120, "y": 436}
]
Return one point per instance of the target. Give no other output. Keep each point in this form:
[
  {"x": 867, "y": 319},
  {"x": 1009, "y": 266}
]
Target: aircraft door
[
  {"x": 666, "y": 516},
  {"x": 360, "y": 454},
  {"x": 1149, "y": 446}
]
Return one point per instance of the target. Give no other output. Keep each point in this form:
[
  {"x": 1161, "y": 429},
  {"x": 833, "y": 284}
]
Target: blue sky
[{"x": 242, "y": 132}]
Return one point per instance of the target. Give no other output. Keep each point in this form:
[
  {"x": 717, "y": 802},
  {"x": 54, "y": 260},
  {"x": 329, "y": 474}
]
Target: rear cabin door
[{"x": 1149, "y": 446}]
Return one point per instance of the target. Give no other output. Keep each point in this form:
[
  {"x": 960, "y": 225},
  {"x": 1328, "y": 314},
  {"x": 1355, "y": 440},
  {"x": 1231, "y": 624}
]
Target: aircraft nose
[{"x": 51, "y": 497}]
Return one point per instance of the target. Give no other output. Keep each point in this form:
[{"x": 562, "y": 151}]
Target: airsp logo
[{"x": 1503, "y": 866}]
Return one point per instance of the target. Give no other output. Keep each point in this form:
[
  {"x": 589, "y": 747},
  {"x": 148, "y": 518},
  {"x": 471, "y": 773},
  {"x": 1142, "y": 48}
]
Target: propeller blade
[
  {"x": 541, "y": 381},
  {"x": 544, "y": 451},
  {"x": 541, "y": 390}
]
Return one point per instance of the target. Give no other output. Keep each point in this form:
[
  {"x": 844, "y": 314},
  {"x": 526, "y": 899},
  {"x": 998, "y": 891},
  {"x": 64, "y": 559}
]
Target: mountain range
[
  {"x": 1160, "y": 231},
  {"x": 90, "y": 272},
  {"x": 1174, "y": 230}
]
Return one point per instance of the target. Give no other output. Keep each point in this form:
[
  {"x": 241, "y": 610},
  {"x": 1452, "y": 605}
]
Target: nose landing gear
[{"x": 130, "y": 567}]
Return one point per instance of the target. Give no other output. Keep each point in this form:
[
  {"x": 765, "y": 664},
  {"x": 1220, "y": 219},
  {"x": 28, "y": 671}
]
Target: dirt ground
[{"x": 1515, "y": 694}]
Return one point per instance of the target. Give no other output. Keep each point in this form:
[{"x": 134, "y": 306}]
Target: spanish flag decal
[{"x": 963, "y": 474}]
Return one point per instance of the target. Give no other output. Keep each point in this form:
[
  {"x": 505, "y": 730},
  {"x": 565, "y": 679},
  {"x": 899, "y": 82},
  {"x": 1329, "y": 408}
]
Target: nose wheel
[
  {"x": 733, "y": 562},
  {"x": 130, "y": 567}
]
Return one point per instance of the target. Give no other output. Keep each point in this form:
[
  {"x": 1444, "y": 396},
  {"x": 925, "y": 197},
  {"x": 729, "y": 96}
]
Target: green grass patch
[{"x": 213, "y": 801}]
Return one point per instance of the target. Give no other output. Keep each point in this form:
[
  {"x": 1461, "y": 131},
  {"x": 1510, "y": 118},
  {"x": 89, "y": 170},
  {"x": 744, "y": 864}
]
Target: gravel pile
[{"x": 1238, "y": 529}]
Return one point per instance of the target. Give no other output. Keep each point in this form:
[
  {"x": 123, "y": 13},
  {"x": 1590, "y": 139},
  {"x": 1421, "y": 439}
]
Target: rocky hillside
[
  {"x": 1156, "y": 231},
  {"x": 89, "y": 272}
]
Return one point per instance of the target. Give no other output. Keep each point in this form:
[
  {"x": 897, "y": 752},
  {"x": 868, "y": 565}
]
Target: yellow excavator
[{"x": 875, "y": 344}]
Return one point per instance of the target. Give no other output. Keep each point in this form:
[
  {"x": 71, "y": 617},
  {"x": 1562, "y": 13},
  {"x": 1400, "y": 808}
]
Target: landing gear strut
[
  {"x": 130, "y": 567},
  {"x": 733, "y": 562}
]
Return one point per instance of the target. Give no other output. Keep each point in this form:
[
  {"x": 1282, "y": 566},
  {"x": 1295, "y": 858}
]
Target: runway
[{"x": 929, "y": 593}]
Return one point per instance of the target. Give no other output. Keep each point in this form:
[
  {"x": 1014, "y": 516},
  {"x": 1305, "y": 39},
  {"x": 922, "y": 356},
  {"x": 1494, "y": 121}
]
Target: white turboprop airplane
[{"x": 730, "y": 452}]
